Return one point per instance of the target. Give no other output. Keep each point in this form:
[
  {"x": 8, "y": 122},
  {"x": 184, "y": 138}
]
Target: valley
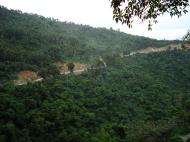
[{"x": 65, "y": 82}]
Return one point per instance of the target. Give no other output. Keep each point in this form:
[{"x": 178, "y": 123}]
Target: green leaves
[{"x": 146, "y": 10}]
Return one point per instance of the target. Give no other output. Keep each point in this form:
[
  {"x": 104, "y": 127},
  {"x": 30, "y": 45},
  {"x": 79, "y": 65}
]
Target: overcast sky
[{"x": 97, "y": 13}]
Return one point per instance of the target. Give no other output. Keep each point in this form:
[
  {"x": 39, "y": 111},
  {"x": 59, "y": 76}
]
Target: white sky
[{"x": 98, "y": 13}]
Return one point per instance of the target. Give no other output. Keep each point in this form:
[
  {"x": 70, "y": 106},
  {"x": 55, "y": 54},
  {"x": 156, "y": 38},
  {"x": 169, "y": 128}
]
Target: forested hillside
[
  {"x": 141, "y": 98},
  {"x": 137, "y": 98},
  {"x": 30, "y": 41}
]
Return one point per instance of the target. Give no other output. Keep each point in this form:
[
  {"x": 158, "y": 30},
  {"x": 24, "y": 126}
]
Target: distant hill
[{"x": 30, "y": 41}]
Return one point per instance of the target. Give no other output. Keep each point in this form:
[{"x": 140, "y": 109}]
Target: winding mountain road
[{"x": 142, "y": 51}]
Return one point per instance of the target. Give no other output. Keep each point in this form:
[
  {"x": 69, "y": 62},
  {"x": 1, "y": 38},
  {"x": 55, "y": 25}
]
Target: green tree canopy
[{"x": 126, "y": 11}]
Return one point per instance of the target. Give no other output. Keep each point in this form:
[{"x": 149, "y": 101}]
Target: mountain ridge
[{"x": 31, "y": 42}]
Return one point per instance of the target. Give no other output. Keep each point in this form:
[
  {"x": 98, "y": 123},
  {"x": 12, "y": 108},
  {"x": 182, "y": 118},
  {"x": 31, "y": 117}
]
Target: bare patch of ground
[
  {"x": 79, "y": 68},
  {"x": 154, "y": 49},
  {"x": 26, "y": 76}
]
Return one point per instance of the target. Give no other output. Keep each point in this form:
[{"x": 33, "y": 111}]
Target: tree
[
  {"x": 126, "y": 11},
  {"x": 71, "y": 67},
  {"x": 187, "y": 36},
  {"x": 186, "y": 40},
  {"x": 51, "y": 70}
]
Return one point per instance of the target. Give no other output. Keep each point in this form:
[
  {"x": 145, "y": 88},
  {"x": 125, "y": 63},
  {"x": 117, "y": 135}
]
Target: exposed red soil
[
  {"x": 26, "y": 76},
  {"x": 78, "y": 66}
]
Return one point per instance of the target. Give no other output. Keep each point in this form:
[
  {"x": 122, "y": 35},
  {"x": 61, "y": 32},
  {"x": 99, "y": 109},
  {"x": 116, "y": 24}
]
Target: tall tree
[{"x": 71, "y": 66}]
